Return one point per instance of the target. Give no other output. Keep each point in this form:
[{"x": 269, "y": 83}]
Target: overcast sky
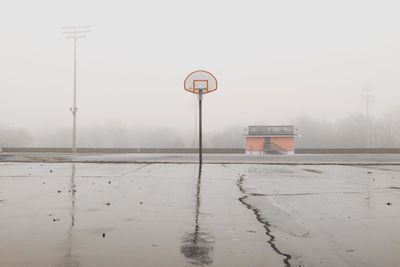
[{"x": 275, "y": 60}]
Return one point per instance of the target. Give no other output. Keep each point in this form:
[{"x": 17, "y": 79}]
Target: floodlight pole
[
  {"x": 200, "y": 127},
  {"x": 77, "y": 32},
  {"x": 368, "y": 138},
  {"x": 74, "y": 109}
]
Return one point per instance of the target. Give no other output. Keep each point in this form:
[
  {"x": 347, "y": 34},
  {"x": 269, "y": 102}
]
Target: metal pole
[
  {"x": 195, "y": 127},
  {"x": 367, "y": 118},
  {"x": 200, "y": 129},
  {"x": 75, "y": 32},
  {"x": 74, "y": 109}
]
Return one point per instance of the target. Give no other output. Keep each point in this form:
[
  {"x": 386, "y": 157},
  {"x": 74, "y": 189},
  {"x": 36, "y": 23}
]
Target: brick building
[{"x": 273, "y": 139}]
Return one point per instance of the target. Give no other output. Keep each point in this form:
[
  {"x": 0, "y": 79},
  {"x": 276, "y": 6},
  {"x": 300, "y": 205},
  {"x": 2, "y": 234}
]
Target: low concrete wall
[
  {"x": 195, "y": 150},
  {"x": 36, "y": 150},
  {"x": 347, "y": 151},
  {"x": 123, "y": 150}
]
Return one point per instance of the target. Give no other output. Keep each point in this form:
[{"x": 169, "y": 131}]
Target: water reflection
[
  {"x": 71, "y": 260},
  {"x": 368, "y": 198},
  {"x": 73, "y": 191},
  {"x": 198, "y": 245}
]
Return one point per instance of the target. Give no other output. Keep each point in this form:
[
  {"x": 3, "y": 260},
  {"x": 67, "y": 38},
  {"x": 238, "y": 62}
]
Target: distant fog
[{"x": 310, "y": 63}]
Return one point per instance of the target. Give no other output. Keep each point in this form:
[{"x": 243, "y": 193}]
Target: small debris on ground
[
  {"x": 350, "y": 250},
  {"x": 388, "y": 203},
  {"x": 305, "y": 234},
  {"x": 58, "y": 191},
  {"x": 55, "y": 220},
  {"x": 141, "y": 202},
  {"x": 51, "y": 171},
  {"x": 108, "y": 203},
  {"x": 104, "y": 235},
  {"x": 109, "y": 182},
  {"x": 369, "y": 172}
]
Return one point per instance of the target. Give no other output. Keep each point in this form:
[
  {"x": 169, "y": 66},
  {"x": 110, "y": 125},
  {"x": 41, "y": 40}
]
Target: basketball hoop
[{"x": 200, "y": 82}]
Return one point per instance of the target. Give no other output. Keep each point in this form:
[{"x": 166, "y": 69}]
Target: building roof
[{"x": 270, "y": 130}]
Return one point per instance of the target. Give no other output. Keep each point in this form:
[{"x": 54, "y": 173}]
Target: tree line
[{"x": 351, "y": 131}]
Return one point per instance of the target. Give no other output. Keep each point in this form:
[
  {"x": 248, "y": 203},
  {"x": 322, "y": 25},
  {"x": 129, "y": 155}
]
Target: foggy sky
[{"x": 275, "y": 61}]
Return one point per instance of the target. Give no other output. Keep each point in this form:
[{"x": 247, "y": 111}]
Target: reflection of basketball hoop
[{"x": 200, "y": 82}]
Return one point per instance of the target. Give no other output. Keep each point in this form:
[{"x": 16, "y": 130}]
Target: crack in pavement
[
  {"x": 135, "y": 170},
  {"x": 263, "y": 221},
  {"x": 313, "y": 171}
]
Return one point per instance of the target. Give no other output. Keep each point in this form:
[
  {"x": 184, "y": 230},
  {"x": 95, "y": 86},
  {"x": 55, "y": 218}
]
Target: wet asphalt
[
  {"x": 153, "y": 214},
  {"x": 124, "y": 158}
]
